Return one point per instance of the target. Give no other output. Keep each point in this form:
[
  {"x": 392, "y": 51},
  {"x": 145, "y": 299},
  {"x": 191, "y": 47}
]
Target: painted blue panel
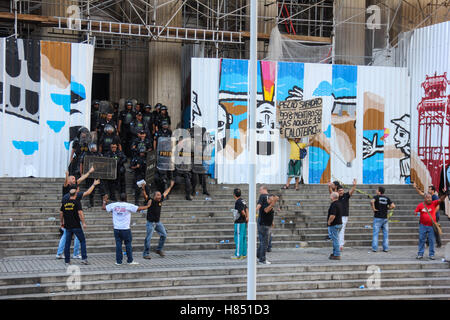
[
  {"x": 318, "y": 160},
  {"x": 289, "y": 76},
  {"x": 373, "y": 166}
]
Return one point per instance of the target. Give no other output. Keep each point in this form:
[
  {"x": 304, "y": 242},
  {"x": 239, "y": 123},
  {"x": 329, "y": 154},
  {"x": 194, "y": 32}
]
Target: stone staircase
[{"x": 29, "y": 223}]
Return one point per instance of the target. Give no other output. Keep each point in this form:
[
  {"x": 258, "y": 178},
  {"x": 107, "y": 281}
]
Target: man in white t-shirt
[{"x": 121, "y": 214}]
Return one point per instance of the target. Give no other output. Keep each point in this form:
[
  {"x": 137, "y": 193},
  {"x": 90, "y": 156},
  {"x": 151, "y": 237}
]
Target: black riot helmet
[
  {"x": 163, "y": 108},
  {"x": 96, "y": 104},
  {"x": 164, "y": 124},
  {"x": 127, "y": 104},
  {"x": 92, "y": 147},
  {"x": 109, "y": 129},
  {"x": 147, "y": 108}
]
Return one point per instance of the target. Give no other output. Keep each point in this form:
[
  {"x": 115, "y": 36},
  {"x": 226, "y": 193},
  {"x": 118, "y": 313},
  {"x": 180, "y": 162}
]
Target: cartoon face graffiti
[
  {"x": 265, "y": 128},
  {"x": 223, "y": 126},
  {"x": 402, "y": 136}
]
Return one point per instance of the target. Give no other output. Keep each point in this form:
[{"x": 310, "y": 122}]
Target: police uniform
[
  {"x": 79, "y": 148},
  {"x": 147, "y": 118},
  {"x": 126, "y": 117},
  {"x": 138, "y": 144},
  {"x": 95, "y": 116},
  {"x": 106, "y": 141},
  {"x": 139, "y": 174},
  {"x": 120, "y": 182},
  {"x": 101, "y": 127},
  {"x": 137, "y": 126}
]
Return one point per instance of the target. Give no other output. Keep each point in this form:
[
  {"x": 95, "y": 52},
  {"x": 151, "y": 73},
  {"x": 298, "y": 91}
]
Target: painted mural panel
[
  {"x": 290, "y": 85},
  {"x": 231, "y": 138},
  {"x": 428, "y": 62},
  {"x": 21, "y": 107},
  {"x": 317, "y": 82},
  {"x": 204, "y": 104},
  {"x": 40, "y": 100}
]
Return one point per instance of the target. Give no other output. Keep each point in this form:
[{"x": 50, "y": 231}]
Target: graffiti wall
[
  {"x": 365, "y": 121},
  {"x": 428, "y": 62},
  {"x": 46, "y": 92}
]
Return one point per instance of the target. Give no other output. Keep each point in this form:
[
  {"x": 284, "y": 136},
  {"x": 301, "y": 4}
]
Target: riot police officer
[
  {"x": 80, "y": 144},
  {"x": 103, "y": 123},
  {"x": 139, "y": 166},
  {"x": 118, "y": 184},
  {"x": 164, "y": 131},
  {"x": 138, "y": 125},
  {"x": 163, "y": 116},
  {"x": 156, "y": 113},
  {"x": 148, "y": 119},
  {"x": 125, "y": 118},
  {"x": 198, "y": 133},
  {"x": 141, "y": 141},
  {"x": 92, "y": 151},
  {"x": 108, "y": 138}
]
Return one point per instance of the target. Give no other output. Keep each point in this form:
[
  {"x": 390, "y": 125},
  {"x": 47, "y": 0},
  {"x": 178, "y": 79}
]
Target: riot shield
[
  {"x": 165, "y": 158},
  {"x": 104, "y": 168},
  {"x": 202, "y": 153},
  {"x": 106, "y": 107},
  {"x": 183, "y": 155},
  {"x": 151, "y": 166}
]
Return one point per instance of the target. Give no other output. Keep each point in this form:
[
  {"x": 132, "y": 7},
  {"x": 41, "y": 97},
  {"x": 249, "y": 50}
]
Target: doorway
[{"x": 100, "y": 86}]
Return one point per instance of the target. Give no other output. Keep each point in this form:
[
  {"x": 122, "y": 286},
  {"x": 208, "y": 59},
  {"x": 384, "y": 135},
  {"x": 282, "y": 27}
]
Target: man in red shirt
[{"x": 426, "y": 224}]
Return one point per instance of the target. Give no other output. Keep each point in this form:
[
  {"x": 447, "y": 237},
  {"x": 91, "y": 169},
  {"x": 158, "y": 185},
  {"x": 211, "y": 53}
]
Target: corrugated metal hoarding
[{"x": 365, "y": 110}]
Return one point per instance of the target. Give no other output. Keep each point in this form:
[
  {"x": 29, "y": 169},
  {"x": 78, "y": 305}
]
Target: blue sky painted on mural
[
  {"x": 234, "y": 75},
  {"x": 56, "y": 125},
  {"x": 343, "y": 84},
  {"x": 289, "y": 75}
]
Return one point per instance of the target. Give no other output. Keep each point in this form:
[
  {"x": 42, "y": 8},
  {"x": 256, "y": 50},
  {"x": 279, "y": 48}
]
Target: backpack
[{"x": 303, "y": 153}]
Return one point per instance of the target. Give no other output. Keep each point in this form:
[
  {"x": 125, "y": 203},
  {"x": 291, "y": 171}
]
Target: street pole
[{"x": 251, "y": 252}]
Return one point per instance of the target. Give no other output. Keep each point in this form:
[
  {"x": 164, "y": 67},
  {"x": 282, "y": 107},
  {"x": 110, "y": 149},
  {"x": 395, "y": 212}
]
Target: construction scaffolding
[{"x": 360, "y": 31}]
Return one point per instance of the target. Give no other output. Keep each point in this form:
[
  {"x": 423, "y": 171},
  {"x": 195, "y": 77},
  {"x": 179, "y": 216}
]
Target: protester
[
  {"x": 72, "y": 219},
  {"x": 263, "y": 202},
  {"x": 434, "y": 196},
  {"x": 240, "y": 225},
  {"x": 344, "y": 198},
  {"x": 380, "y": 206},
  {"x": 295, "y": 161},
  {"x": 427, "y": 212},
  {"x": 334, "y": 222},
  {"x": 153, "y": 221},
  {"x": 121, "y": 214},
  {"x": 265, "y": 222}
]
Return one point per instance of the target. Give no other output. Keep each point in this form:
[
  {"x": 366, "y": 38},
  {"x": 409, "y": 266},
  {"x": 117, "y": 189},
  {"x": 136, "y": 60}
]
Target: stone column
[{"x": 164, "y": 67}]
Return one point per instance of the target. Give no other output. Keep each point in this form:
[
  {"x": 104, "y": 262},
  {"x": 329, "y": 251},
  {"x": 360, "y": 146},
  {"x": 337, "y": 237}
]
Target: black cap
[
  {"x": 139, "y": 113},
  {"x": 141, "y": 131}
]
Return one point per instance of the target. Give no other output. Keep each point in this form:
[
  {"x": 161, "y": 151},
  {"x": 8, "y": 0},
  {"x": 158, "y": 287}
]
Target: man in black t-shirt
[
  {"x": 240, "y": 214},
  {"x": 262, "y": 201},
  {"x": 334, "y": 222},
  {"x": 72, "y": 218},
  {"x": 344, "y": 198},
  {"x": 265, "y": 222},
  {"x": 153, "y": 221},
  {"x": 380, "y": 206}
]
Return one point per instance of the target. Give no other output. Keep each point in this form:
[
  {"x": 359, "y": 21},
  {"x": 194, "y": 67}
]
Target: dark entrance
[{"x": 100, "y": 86}]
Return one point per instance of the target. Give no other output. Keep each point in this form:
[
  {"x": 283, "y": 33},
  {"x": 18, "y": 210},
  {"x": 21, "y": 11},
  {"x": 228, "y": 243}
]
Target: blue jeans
[
  {"x": 80, "y": 235},
  {"x": 424, "y": 232},
  {"x": 159, "y": 227},
  {"x": 383, "y": 224},
  {"x": 263, "y": 235},
  {"x": 62, "y": 243},
  {"x": 123, "y": 236},
  {"x": 240, "y": 239},
  {"x": 334, "y": 232}
]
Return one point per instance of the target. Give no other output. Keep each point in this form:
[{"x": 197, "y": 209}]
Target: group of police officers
[{"x": 128, "y": 134}]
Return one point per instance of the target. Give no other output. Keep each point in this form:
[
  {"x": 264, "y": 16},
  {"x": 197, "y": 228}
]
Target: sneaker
[
  {"x": 147, "y": 257},
  {"x": 243, "y": 257},
  {"x": 235, "y": 257},
  {"x": 133, "y": 263},
  {"x": 386, "y": 250},
  {"x": 77, "y": 257},
  {"x": 118, "y": 264},
  {"x": 206, "y": 193},
  {"x": 333, "y": 257},
  {"x": 374, "y": 250},
  {"x": 160, "y": 252},
  {"x": 59, "y": 256},
  {"x": 419, "y": 257},
  {"x": 85, "y": 262},
  {"x": 432, "y": 258},
  {"x": 264, "y": 262}
]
